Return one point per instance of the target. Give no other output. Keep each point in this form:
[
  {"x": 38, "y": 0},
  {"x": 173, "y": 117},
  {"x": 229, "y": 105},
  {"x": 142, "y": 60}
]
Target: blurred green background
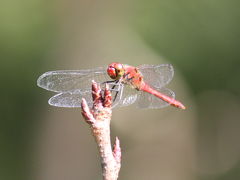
[{"x": 199, "y": 37}]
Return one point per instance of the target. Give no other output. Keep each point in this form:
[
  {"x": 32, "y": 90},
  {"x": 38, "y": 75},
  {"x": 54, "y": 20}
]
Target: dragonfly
[{"x": 143, "y": 85}]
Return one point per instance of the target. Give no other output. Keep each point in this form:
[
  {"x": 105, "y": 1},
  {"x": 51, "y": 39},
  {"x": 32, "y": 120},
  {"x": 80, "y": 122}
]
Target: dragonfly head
[{"x": 115, "y": 70}]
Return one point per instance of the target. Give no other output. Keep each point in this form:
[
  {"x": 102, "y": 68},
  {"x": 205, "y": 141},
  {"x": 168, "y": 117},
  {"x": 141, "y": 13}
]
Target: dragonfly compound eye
[{"x": 112, "y": 72}]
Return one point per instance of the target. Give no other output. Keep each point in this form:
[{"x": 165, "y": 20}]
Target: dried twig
[{"x": 99, "y": 118}]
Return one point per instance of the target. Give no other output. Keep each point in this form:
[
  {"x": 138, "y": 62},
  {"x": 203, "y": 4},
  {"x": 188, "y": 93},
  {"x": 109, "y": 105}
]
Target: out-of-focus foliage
[
  {"x": 201, "y": 37},
  {"x": 26, "y": 30}
]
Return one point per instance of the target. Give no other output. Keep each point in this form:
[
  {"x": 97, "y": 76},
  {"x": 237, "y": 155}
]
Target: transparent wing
[
  {"x": 71, "y": 100},
  {"x": 147, "y": 100},
  {"x": 129, "y": 96},
  {"x": 71, "y": 80},
  {"x": 157, "y": 75}
]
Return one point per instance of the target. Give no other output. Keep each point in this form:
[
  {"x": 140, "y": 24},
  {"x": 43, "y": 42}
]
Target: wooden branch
[{"x": 99, "y": 118}]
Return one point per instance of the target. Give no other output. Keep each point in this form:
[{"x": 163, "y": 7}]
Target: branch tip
[
  {"x": 106, "y": 86},
  {"x": 86, "y": 113},
  {"x": 96, "y": 94},
  {"x": 117, "y": 150},
  {"x": 107, "y": 97}
]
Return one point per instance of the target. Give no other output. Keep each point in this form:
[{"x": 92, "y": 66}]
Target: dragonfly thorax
[{"x": 133, "y": 77}]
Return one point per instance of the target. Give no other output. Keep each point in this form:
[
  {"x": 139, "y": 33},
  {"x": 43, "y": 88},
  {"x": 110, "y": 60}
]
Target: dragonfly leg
[
  {"x": 108, "y": 82},
  {"x": 121, "y": 92},
  {"x": 113, "y": 83},
  {"x": 117, "y": 90},
  {"x": 116, "y": 86},
  {"x": 115, "y": 96},
  {"x": 120, "y": 89},
  {"x": 113, "y": 88}
]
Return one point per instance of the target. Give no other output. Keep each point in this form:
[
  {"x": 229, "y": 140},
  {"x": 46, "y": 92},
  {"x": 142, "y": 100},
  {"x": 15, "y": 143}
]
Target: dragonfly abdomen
[{"x": 162, "y": 96}]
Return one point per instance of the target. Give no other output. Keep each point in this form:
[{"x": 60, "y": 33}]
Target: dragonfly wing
[
  {"x": 71, "y": 100},
  {"x": 71, "y": 80},
  {"x": 147, "y": 100},
  {"x": 157, "y": 75},
  {"x": 129, "y": 96}
]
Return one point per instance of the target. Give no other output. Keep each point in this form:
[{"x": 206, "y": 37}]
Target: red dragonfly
[{"x": 143, "y": 85}]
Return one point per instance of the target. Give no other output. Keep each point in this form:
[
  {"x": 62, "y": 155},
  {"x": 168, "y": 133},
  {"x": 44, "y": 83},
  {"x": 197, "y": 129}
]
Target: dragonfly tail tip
[{"x": 182, "y": 107}]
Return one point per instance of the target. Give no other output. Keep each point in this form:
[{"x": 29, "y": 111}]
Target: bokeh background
[{"x": 199, "y": 37}]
